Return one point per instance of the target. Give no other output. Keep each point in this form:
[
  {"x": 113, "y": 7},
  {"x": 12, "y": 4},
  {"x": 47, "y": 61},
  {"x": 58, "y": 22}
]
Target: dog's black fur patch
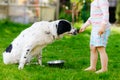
[
  {"x": 63, "y": 26},
  {"x": 9, "y": 48}
]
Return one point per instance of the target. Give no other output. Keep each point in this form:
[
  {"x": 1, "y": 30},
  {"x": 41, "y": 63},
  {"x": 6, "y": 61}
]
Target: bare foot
[
  {"x": 90, "y": 69},
  {"x": 100, "y": 71}
]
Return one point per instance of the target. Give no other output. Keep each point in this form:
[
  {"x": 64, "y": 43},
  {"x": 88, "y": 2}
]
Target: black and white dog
[{"x": 32, "y": 40}]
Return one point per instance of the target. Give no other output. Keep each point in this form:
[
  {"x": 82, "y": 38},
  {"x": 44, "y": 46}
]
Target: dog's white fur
[{"x": 30, "y": 43}]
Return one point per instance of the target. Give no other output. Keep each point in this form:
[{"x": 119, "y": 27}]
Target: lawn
[{"x": 73, "y": 49}]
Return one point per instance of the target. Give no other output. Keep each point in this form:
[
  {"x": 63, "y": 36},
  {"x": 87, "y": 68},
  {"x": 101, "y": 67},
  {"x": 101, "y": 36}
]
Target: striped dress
[{"x": 99, "y": 14}]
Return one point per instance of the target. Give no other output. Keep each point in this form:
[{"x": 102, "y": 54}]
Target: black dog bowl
[{"x": 56, "y": 63}]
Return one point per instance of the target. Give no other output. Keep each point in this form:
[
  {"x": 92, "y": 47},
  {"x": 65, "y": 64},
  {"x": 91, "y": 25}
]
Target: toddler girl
[{"x": 99, "y": 18}]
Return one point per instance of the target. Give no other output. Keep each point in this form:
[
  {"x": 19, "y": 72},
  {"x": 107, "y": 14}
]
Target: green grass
[{"x": 73, "y": 49}]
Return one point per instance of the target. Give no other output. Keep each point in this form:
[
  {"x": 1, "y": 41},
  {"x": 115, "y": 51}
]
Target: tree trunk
[{"x": 118, "y": 12}]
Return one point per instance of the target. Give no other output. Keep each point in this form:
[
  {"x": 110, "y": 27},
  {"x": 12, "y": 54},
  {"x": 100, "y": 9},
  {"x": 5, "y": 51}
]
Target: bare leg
[
  {"x": 103, "y": 58},
  {"x": 93, "y": 59}
]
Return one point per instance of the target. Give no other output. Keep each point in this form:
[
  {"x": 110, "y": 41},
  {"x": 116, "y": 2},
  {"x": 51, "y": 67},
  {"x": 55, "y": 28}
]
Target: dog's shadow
[{"x": 63, "y": 66}]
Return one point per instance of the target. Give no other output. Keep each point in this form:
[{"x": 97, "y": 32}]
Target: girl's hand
[
  {"x": 82, "y": 29},
  {"x": 101, "y": 30},
  {"x": 87, "y": 23}
]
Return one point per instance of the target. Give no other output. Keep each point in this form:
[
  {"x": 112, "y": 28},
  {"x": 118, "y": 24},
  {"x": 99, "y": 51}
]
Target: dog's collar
[
  {"x": 56, "y": 26},
  {"x": 54, "y": 35},
  {"x": 49, "y": 33}
]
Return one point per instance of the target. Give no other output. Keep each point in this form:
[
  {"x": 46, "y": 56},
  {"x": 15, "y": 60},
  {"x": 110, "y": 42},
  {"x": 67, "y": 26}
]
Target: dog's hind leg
[{"x": 39, "y": 58}]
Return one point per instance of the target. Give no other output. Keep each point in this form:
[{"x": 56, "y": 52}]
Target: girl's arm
[
  {"x": 104, "y": 6},
  {"x": 86, "y": 24}
]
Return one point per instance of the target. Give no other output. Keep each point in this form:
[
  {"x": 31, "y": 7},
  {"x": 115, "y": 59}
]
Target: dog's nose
[{"x": 76, "y": 32}]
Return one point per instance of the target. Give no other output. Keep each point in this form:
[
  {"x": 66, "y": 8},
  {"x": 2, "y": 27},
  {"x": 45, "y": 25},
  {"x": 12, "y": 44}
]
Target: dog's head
[
  {"x": 61, "y": 27},
  {"x": 64, "y": 26}
]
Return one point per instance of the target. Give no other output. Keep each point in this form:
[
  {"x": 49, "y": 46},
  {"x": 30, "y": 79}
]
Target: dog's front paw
[{"x": 21, "y": 66}]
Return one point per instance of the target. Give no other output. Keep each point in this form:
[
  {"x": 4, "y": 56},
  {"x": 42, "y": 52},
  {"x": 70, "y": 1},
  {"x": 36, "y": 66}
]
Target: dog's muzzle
[{"x": 74, "y": 31}]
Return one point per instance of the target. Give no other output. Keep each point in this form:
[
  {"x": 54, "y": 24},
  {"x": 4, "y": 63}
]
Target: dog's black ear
[
  {"x": 9, "y": 48},
  {"x": 63, "y": 26}
]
